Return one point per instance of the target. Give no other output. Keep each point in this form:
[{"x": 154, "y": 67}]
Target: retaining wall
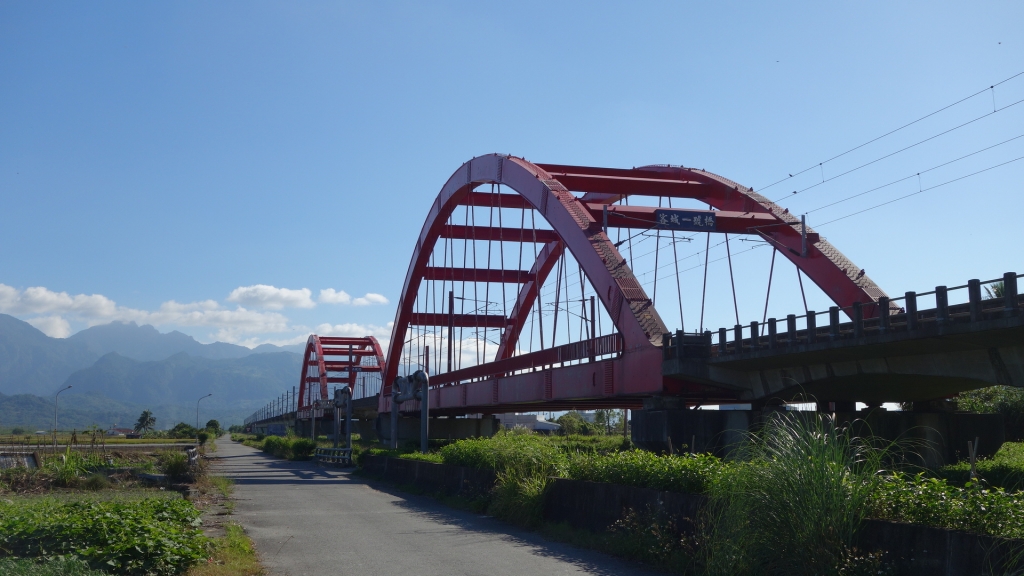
[{"x": 915, "y": 550}]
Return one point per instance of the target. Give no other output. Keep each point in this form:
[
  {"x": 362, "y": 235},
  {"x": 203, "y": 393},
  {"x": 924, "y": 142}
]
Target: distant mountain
[
  {"x": 183, "y": 378},
  {"x": 33, "y": 363},
  {"x": 146, "y": 343},
  {"x": 36, "y": 413}
]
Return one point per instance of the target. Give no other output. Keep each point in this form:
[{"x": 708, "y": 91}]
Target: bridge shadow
[{"x": 590, "y": 561}]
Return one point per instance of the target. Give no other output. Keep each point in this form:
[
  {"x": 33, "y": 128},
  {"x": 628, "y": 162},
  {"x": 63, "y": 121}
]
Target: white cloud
[
  {"x": 382, "y": 333},
  {"x": 271, "y": 297},
  {"x": 369, "y": 299},
  {"x": 53, "y": 326},
  {"x": 330, "y": 296}
]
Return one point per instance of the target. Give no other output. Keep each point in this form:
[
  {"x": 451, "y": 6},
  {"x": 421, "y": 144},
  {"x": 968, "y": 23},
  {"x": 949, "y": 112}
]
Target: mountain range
[{"x": 118, "y": 369}]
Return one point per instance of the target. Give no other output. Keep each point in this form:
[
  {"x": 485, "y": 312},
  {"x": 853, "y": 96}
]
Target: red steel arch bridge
[{"x": 546, "y": 287}]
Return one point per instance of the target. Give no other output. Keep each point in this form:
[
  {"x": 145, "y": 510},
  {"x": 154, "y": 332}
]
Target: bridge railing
[{"x": 904, "y": 314}]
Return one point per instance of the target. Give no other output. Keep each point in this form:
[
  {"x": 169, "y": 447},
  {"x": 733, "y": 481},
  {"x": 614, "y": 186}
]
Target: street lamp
[
  {"x": 197, "y": 410},
  {"x": 55, "y": 414}
]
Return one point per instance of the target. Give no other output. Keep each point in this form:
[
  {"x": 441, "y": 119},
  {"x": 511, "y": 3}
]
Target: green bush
[
  {"x": 934, "y": 502},
  {"x": 174, "y": 463},
  {"x": 146, "y": 536},
  {"x": 202, "y": 437},
  {"x": 302, "y": 449},
  {"x": 47, "y": 567},
  {"x": 1005, "y": 400},
  {"x": 96, "y": 482},
  {"x": 683, "y": 473},
  {"x": 1003, "y": 470}
]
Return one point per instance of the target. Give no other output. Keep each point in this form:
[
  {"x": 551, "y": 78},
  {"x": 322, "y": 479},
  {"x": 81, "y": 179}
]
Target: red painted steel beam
[
  {"x": 644, "y": 217},
  {"x": 345, "y": 352},
  {"x": 486, "y": 199},
  {"x": 460, "y": 320},
  {"x": 476, "y": 275},
  {"x": 546, "y": 260},
  {"x": 837, "y": 276},
  {"x": 460, "y": 232},
  {"x": 618, "y": 290},
  {"x": 315, "y": 368}
]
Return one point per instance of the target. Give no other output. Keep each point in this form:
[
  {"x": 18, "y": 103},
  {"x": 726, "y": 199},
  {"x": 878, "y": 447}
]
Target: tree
[
  {"x": 213, "y": 425},
  {"x": 995, "y": 290},
  {"x": 573, "y": 423},
  {"x": 146, "y": 422},
  {"x": 182, "y": 430}
]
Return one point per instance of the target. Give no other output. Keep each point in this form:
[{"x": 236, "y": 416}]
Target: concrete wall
[{"x": 434, "y": 478}]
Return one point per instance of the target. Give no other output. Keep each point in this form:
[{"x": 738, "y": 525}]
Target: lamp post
[
  {"x": 197, "y": 410},
  {"x": 55, "y": 414}
]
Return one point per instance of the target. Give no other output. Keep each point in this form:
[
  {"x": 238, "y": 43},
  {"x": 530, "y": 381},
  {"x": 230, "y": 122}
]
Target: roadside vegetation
[
  {"x": 90, "y": 513},
  {"x": 791, "y": 501}
]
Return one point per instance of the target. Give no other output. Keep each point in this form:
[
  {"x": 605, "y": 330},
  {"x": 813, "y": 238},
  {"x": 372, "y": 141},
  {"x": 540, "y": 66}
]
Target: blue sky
[{"x": 160, "y": 162}]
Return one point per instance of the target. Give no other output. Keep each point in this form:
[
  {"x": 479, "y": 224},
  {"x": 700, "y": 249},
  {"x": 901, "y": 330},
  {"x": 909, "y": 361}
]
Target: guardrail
[
  {"x": 337, "y": 456},
  {"x": 907, "y": 318}
]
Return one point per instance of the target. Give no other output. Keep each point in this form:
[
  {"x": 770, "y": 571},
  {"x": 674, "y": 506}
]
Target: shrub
[
  {"x": 67, "y": 468},
  {"x": 302, "y": 449},
  {"x": 174, "y": 463},
  {"x": 683, "y": 473},
  {"x": 202, "y": 437},
  {"x": 1005, "y": 400}
]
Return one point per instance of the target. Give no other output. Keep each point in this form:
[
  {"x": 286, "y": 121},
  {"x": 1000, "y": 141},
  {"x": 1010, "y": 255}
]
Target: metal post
[
  {"x": 394, "y": 415},
  {"x": 55, "y": 415},
  {"x": 738, "y": 335},
  {"x": 197, "y": 410},
  {"x": 348, "y": 422},
  {"x": 451, "y": 328},
  {"x": 812, "y": 327},
  {"x": 910, "y": 300},
  {"x": 803, "y": 235},
  {"x": 941, "y": 305},
  {"x": 833, "y": 322},
  {"x": 424, "y": 415},
  {"x": 773, "y": 337},
  {"x": 722, "y": 344},
  {"x": 593, "y": 329},
  {"x": 604, "y": 212},
  {"x": 883, "y": 314},
  {"x": 974, "y": 299},
  {"x": 754, "y": 335},
  {"x": 337, "y": 419},
  {"x": 1010, "y": 293},
  {"x": 791, "y": 329},
  {"x": 858, "y": 320}
]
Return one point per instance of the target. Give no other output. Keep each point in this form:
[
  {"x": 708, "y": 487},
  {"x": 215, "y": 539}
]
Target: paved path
[{"x": 307, "y": 520}]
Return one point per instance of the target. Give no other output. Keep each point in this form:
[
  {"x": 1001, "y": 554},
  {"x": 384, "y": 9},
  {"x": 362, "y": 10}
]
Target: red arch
[
  {"x": 316, "y": 365},
  {"x": 577, "y": 227}
]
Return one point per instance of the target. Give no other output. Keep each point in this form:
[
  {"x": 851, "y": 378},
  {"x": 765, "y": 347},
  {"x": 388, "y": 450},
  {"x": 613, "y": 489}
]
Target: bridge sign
[{"x": 690, "y": 220}]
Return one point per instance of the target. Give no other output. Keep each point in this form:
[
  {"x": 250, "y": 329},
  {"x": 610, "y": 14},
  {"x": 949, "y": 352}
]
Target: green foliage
[
  {"x": 202, "y": 437},
  {"x": 682, "y": 473},
  {"x": 933, "y": 501},
  {"x": 67, "y": 468},
  {"x": 144, "y": 536},
  {"x": 16, "y": 431},
  {"x": 213, "y": 425},
  {"x": 236, "y": 429},
  {"x": 1005, "y": 400},
  {"x": 1004, "y": 470},
  {"x": 517, "y": 449},
  {"x": 290, "y": 447},
  {"x": 573, "y": 423},
  {"x": 146, "y": 422},
  {"x": 794, "y": 502},
  {"x": 96, "y": 482},
  {"x": 182, "y": 430},
  {"x": 174, "y": 463}
]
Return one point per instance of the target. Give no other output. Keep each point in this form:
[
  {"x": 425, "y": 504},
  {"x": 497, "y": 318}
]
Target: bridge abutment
[{"x": 439, "y": 429}]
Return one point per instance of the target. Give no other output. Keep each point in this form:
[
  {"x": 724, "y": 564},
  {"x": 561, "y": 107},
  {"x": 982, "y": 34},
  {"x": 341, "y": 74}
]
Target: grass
[
  {"x": 233, "y": 555},
  {"x": 47, "y": 567},
  {"x": 1003, "y": 470}
]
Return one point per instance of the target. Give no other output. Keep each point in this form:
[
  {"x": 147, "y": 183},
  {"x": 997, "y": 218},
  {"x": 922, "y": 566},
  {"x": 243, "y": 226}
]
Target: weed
[
  {"x": 96, "y": 482},
  {"x": 47, "y": 567},
  {"x": 233, "y": 555},
  {"x": 174, "y": 463}
]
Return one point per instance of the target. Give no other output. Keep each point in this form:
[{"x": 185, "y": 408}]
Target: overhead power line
[
  {"x": 923, "y": 190},
  {"x": 858, "y": 195},
  {"x": 986, "y": 115},
  {"x": 891, "y": 132}
]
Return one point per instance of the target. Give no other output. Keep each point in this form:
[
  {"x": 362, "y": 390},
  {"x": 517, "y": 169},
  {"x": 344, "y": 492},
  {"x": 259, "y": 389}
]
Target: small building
[
  {"x": 531, "y": 421},
  {"x": 120, "y": 431}
]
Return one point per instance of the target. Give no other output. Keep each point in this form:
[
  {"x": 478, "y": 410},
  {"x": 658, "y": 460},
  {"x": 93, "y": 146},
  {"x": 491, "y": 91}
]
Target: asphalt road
[{"x": 308, "y": 520}]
